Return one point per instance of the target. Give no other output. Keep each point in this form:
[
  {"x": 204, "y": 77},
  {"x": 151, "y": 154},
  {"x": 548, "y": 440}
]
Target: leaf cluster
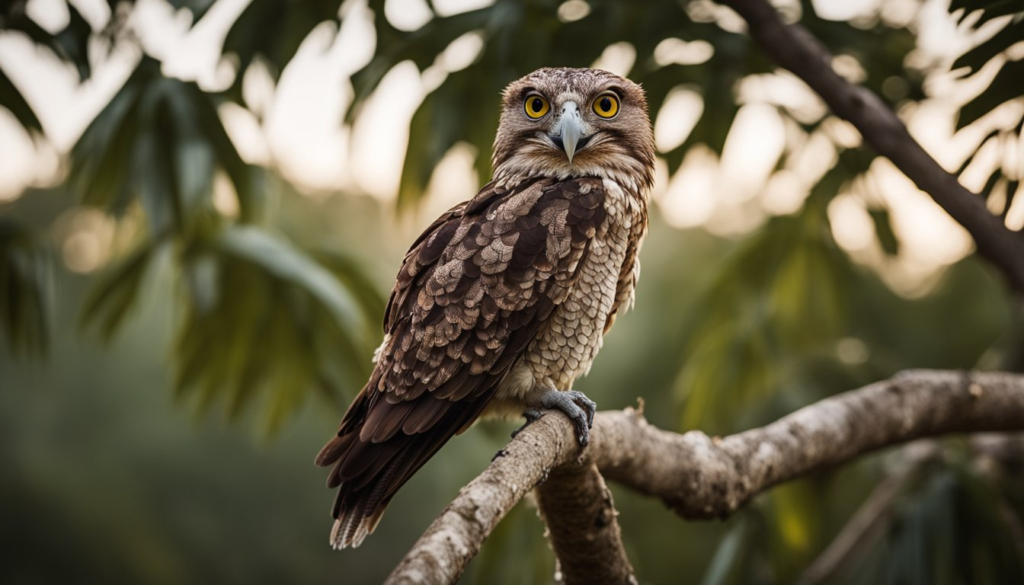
[{"x": 1005, "y": 87}]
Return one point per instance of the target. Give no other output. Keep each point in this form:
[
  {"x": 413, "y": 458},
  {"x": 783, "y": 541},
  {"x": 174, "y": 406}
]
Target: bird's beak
[{"x": 570, "y": 128}]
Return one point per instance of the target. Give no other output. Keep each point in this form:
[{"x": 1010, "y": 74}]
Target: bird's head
[{"x": 575, "y": 122}]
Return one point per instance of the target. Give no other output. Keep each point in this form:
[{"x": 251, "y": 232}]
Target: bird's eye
[
  {"x": 606, "y": 105},
  {"x": 536, "y": 106}
]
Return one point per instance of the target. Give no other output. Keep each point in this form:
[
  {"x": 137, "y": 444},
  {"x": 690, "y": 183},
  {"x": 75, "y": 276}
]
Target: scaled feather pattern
[{"x": 504, "y": 298}]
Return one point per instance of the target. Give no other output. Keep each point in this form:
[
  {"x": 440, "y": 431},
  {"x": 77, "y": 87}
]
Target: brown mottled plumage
[{"x": 503, "y": 301}]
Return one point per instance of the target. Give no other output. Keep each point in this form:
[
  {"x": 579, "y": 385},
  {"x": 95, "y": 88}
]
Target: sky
[{"x": 297, "y": 128}]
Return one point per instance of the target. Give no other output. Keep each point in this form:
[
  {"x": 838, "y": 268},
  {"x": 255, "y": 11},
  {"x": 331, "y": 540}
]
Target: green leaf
[
  {"x": 13, "y": 101},
  {"x": 266, "y": 323},
  {"x": 778, "y": 296},
  {"x": 729, "y": 556},
  {"x": 725, "y": 367},
  {"x": 116, "y": 292},
  {"x": 288, "y": 263},
  {"x": 353, "y": 278},
  {"x": 274, "y": 30},
  {"x": 977, "y": 57},
  {"x": 70, "y": 45},
  {"x": 154, "y": 183},
  {"x": 950, "y": 531},
  {"x": 159, "y": 142},
  {"x": 1005, "y": 87},
  {"x": 794, "y": 515},
  {"x": 73, "y": 42},
  {"x": 445, "y": 118},
  {"x": 990, "y": 8},
  {"x": 25, "y": 281}
]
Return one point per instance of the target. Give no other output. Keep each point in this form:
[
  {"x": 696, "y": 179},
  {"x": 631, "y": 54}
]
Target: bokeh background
[{"x": 203, "y": 205}]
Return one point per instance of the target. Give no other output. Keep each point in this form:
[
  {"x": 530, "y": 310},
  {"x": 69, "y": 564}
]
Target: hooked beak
[{"x": 569, "y": 132}]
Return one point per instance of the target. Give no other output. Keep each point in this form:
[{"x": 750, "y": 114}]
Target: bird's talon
[
  {"x": 584, "y": 435},
  {"x": 531, "y": 415},
  {"x": 588, "y": 405},
  {"x": 576, "y": 406}
]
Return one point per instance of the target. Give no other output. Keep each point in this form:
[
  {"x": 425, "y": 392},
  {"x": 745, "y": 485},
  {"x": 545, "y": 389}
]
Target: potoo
[{"x": 504, "y": 300}]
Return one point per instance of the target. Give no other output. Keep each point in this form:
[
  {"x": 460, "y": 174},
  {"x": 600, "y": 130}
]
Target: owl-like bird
[{"x": 504, "y": 300}]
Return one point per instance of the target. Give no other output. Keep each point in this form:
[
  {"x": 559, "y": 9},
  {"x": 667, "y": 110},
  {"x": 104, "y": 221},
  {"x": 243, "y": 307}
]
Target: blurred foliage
[
  {"x": 174, "y": 143},
  {"x": 777, "y": 299},
  {"x": 531, "y": 561},
  {"x": 1005, "y": 87},
  {"x": 26, "y": 282},
  {"x": 770, "y": 542},
  {"x": 946, "y": 526},
  {"x": 272, "y": 308},
  {"x": 70, "y": 44},
  {"x": 271, "y": 31},
  {"x": 116, "y": 290},
  {"x": 160, "y": 141},
  {"x": 12, "y": 100},
  {"x": 262, "y": 315},
  {"x": 948, "y": 531},
  {"x": 520, "y": 37}
]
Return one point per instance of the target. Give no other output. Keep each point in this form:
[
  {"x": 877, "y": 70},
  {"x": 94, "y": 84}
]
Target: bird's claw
[
  {"x": 531, "y": 415},
  {"x": 577, "y": 407},
  {"x": 588, "y": 405}
]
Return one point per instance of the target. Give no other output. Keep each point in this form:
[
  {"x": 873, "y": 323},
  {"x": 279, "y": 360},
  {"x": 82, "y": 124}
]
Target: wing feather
[{"x": 472, "y": 293}]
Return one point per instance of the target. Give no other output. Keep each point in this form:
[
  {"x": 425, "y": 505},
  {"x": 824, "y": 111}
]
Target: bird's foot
[
  {"x": 576, "y": 406},
  {"x": 531, "y": 415}
]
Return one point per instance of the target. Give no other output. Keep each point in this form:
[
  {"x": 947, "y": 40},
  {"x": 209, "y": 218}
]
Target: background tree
[{"x": 271, "y": 298}]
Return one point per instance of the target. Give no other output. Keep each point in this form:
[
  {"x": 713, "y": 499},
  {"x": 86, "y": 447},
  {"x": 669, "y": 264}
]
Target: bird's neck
[{"x": 632, "y": 177}]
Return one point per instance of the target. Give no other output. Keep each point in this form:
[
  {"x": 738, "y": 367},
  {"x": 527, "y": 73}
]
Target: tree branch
[
  {"x": 704, "y": 477},
  {"x": 795, "y": 48},
  {"x": 577, "y": 507}
]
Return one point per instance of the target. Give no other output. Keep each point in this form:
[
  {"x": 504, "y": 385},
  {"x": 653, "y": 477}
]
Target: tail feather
[
  {"x": 352, "y": 530},
  {"x": 368, "y": 474},
  {"x": 334, "y": 450},
  {"x": 358, "y": 516}
]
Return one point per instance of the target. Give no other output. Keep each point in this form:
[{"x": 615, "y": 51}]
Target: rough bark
[
  {"x": 709, "y": 477},
  {"x": 580, "y": 515},
  {"x": 792, "y": 46},
  {"x": 441, "y": 554}
]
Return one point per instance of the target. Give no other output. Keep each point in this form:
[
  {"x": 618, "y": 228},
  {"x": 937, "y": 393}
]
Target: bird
[{"x": 504, "y": 300}]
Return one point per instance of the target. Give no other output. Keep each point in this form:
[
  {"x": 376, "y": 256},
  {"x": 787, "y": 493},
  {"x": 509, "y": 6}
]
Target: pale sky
[{"x": 297, "y": 127}]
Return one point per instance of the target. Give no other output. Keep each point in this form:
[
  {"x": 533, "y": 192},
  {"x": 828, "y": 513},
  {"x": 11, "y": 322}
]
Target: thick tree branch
[
  {"x": 577, "y": 507},
  {"x": 796, "y": 49},
  {"x": 705, "y": 477}
]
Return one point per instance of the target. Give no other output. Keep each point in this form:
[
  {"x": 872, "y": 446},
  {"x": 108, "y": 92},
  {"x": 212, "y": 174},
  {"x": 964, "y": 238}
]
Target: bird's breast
[{"x": 565, "y": 348}]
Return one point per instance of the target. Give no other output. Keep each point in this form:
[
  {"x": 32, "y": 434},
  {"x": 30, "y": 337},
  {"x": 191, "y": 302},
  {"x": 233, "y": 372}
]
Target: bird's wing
[{"x": 472, "y": 294}]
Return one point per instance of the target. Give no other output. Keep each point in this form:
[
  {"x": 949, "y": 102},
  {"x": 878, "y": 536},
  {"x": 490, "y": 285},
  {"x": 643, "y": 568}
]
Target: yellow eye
[
  {"x": 606, "y": 105},
  {"x": 536, "y": 106}
]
